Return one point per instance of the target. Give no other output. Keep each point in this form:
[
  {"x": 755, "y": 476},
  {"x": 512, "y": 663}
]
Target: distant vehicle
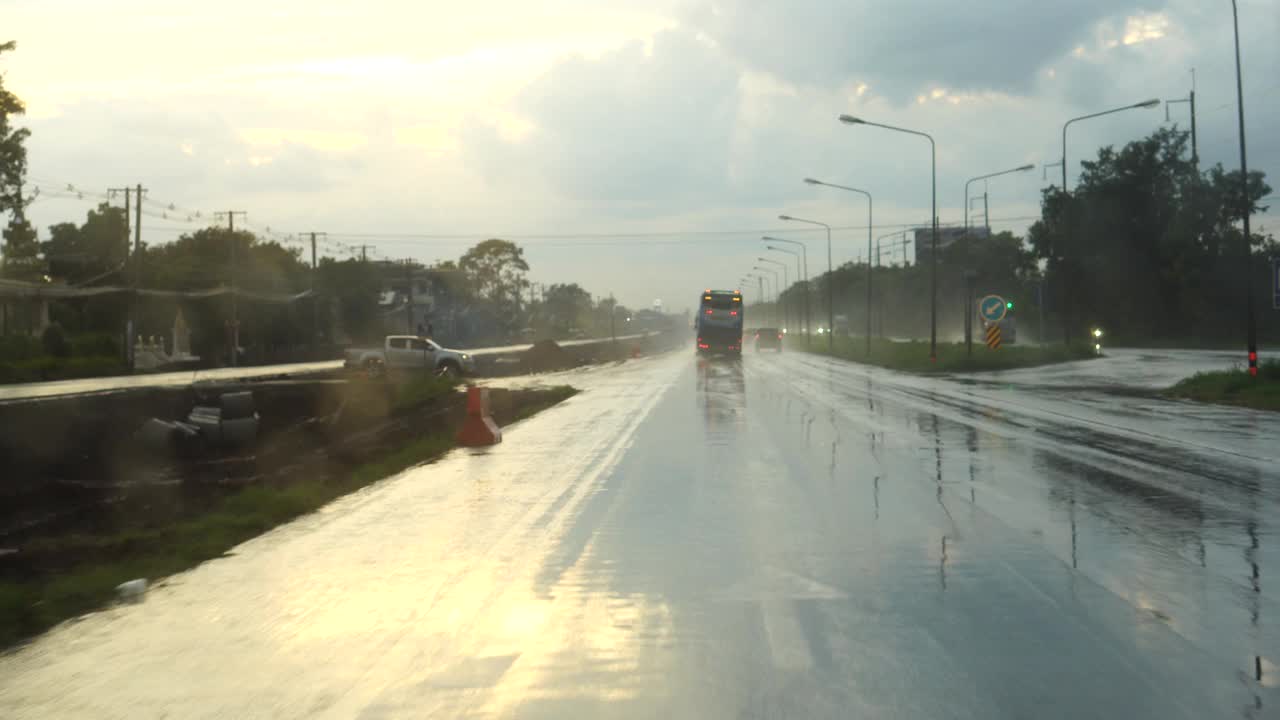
[
  {"x": 841, "y": 327},
  {"x": 768, "y": 339},
  {"x": 400, "y": 352},
  {"x": 718, "y": 324}
]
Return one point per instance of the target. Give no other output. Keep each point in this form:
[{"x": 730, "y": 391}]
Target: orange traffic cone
[{"x": 479, "y": 427}]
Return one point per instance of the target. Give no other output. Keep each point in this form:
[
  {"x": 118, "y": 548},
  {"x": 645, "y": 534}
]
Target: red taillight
[
  {"x": 703, "y": 346},
  {"x": 709, "y": 312},
  {"x": 733, "y": 312}
]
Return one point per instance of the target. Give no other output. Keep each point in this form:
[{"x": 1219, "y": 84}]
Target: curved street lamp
[
  {"x": 831, "y": 316},
  {"x": 811, "y": 181},
  {"x": 1021, "y": 168},
  {"x": 804, "y": 288},
  {"x": 786, "y": 283},
  {"x": 773, "y": 275},
  {"x": 804, "y": 274},
  {"x": 1144, "y": 104},
  {"x": 1066, "y": 328},
  {"x": 933, "y": 254}
]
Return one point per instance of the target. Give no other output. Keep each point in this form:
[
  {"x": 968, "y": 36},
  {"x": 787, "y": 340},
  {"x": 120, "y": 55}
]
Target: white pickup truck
[{"x": 409, "y": 351}]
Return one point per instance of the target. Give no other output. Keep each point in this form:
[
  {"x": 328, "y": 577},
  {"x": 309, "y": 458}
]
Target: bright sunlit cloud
[{"x": 579, "y": 116}]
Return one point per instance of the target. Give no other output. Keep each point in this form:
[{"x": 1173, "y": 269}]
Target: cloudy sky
[{"x": 637, "y": 148}]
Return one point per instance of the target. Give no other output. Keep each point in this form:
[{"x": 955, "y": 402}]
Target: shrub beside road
[
  {"x": 1234, "y": 387},
  {"x": 913, "y": 356}
]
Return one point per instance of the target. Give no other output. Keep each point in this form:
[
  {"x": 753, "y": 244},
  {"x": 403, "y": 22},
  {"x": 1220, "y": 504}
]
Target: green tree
[
  {"x": 496, "y": 272},
  {"x": 21, "y": 259},
  {"x": 566, "y": 306},
  {"x": 13, "y": 152},
  {"x": 349, "y": 290},
  {"x": 96, "y": 250},
  {"x": 1146, "y": 244}
]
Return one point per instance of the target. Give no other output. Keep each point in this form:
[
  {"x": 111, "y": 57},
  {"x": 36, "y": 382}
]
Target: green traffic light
[{"x": 1008, "y": 306}]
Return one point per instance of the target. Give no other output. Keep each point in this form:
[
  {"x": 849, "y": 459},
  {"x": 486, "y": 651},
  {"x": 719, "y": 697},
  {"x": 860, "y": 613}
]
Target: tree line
[
  {"x": 1147, "y": 246},
  {"x": 483, "y": 296}
]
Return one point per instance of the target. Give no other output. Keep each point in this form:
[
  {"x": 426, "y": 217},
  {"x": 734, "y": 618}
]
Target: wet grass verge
[
  {"x": 1234, "y": 387},
  {"x": 952, "y": 357},
  {"x": 69, "y": 574}
]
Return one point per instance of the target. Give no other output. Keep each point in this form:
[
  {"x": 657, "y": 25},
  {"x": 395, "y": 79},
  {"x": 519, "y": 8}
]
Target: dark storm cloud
[{"x": 905, "y": 47}]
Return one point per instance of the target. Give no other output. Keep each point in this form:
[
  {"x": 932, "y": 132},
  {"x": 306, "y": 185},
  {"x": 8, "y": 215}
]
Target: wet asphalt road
[{"x": 782, "y": 538}]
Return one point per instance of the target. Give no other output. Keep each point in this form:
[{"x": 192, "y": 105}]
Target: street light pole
[
  {"x": 933, "y": 254},
  {"x": 1246, "y": 208},
  {"x": 774, "y": 273},
  {"x": 831, "y": 313},
  {"x": 1144, "y": 104},
  {"x": 786, "y": 283},
  {"x": 1021, "y": 168},
  {"x": 811, "y": 181},
  {"x": 796, "y": 255},
  {"x": 1066, "y": 329},
  {"x": 804, "y": 258}
]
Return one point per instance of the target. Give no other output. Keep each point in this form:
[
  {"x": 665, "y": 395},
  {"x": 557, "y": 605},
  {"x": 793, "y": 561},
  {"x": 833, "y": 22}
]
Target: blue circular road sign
[{"x": 992, "y": 308}]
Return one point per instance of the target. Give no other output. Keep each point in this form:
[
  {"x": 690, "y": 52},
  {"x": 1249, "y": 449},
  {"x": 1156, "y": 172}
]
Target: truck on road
[{"x": 400, "y": 352}]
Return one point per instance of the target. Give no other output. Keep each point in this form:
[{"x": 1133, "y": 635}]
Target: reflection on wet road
[{"x": 781, "y": 537}]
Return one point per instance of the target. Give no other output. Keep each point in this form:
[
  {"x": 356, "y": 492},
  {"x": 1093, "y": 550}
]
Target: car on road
[
  {"x": 401, "y": 352},
  {"x": 768, "y": 339}
]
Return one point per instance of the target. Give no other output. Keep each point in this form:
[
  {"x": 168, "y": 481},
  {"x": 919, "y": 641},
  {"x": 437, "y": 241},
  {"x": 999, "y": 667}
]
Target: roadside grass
[
  {"x": 28, "y": 607},
  {"x": 1234, "y": 387},
  {"x": 44, "y": 369},
  {"x": 420, "y": 389},
  {"x": 913, "y": 356}
]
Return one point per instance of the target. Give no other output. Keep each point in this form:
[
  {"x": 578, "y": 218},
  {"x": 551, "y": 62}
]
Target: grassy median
[
  {"x": 1234, "y": 387},
  {"x": 914, "y": 356},
  {"x": 83, "y": 570}
]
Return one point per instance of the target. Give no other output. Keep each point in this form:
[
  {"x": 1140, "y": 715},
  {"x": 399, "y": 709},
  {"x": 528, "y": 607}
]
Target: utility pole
[
  {"x": 613, "y": 317},
  {"x": 1191, "y": 100},
  {"x": 235, "y": 292},
  {"x": 408, "y": 295},
  {"x": 132, "y": 262},
  {"x": 1246, "y": 208},
  {"x": 364, "y": 256},
  {"x": 315, "y": 301}
]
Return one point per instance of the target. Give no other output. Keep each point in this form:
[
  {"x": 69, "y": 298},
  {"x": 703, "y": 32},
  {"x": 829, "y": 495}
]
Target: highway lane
[{"x": 786, "y": 537}]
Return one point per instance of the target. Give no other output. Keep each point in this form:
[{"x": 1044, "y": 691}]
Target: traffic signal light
[{"x": 1008, "y": 305}]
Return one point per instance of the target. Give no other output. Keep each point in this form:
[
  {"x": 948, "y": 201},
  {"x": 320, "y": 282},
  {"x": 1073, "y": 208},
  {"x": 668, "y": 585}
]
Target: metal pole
[
  {"x": 235, "y": 291},
  {"x": 804, "y": 271},
  {"x": 867, "y": 349},
  {"x": 1195, "y": 152},
  {"x": 933, "y": 260},
  {"x": 831, "y": 315},
  {"x": 1247, "y": 205},
  {"x": 408, "y": 294}
]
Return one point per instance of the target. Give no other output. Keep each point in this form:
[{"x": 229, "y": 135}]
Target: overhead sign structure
[
  {"x": 993, "y": 336},
  {"x": 992, "y": 308},
  {"x": 1275, "y": 283}
]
